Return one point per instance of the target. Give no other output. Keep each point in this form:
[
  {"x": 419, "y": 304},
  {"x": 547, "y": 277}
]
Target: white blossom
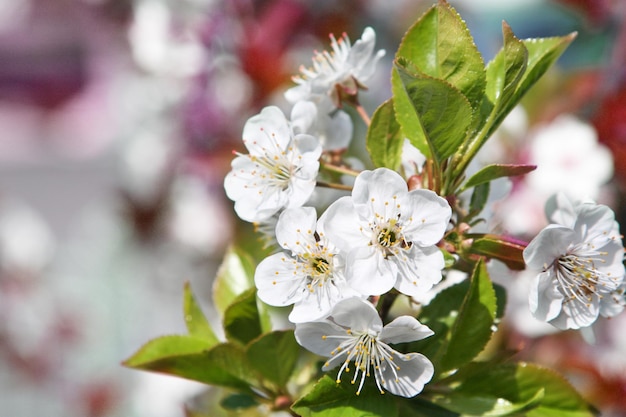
[
  {"x": 354, "y": 333},
  {"x": 334, "y": 131},
  {"x": 389, "y": 233},
  {"x": 569, "y": 159},
  {"x": 345, "y": 69},
  {"x": 310, "y": 275},
  {"x": 279, "y": 172},
  {"x": 580, "y": 256}
]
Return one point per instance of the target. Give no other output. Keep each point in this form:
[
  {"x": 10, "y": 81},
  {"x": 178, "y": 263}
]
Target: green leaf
[
  {"x": 165, "y": 347},
  {"x": 406, "y": 116},
  {"x": 440, "y": 46},
  {"x": 512, "y": 72},
  {"x": 542, "y": 54},
  {"x": 486, "y": 405},
  {"x": 443, "y": 113},
  {"x": 384, "y": 138},
  {"x": 192, "y": 358},
  {"x": 505, "y": 71},
  {"x": 440, "y": 315},
  {"x": 495, "y": 389},
  {"x": 419, "y": 407},
  {"x": 491, "y": 172},
  {"x": 242, "y": 323},
  {"x": 473, "y": 327},
  {"x": 195, "y": 320},
  {"x": 274, "y": 356},
  {"x": 461, "y": 317},
  {"x": 238, "y": 402},
  {"x": 508, "y": 250},
  {"x": 480, "y": 195},
  {"x": 501, "y": 296},
  {"x": 234, "y": 276},
  {"x": 517, "y": 67},
  {"x": 330, "y": 399}
]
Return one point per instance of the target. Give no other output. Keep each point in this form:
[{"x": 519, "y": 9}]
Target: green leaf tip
[{"x": 195, "y": 320}]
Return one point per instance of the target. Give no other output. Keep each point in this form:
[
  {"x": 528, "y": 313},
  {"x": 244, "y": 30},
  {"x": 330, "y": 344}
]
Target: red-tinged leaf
[
  {"x": 503, "y": 248},
  {"x": 492, "y": 172}
]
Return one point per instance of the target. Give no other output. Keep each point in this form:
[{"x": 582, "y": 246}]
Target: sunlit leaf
[
  {"x": 241, "y": 319},
  {"x": 192, "y": 358},
  {"x": 440, "y": 46},
  {"x": 444, "y": 114},
  {"x": 494, "y": 171},
  {"x": 419, "y": 407},
  {"x": 274, "y": 356},
  {"x": 474, "y": 325},
  {"x": 494, "y": 389},
  {"x": 195, "y": 320},
  {"x": 329, "y": 399},
  {"x": 384, "y": 138},
  {"x": 234, "y": 276},
  {"x": 505, "y": 71}
]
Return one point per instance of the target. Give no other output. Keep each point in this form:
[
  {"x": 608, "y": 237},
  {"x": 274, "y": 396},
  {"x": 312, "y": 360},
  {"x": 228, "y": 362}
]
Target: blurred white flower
[
  {"x": 26, "y": 241},
  {"x": 569, "y": 159},
  {"x": 154, "y": 46},
  {"x": 197, "y": 219}
]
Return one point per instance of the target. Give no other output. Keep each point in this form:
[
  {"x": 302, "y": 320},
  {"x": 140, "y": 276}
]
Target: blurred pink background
[{"x": 117, "y": 123}]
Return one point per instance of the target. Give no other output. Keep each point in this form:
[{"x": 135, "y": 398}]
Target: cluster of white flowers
[
  {"x": 381, "y": 237},
  {"x": 384, "y": 237}
]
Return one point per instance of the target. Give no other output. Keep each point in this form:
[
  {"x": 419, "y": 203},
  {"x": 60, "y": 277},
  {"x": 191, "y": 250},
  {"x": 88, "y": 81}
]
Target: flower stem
[
  {"x": 339, "y": 169},
  {"x": 334, "y": 186},
  {"x": 363, "y": 114}
]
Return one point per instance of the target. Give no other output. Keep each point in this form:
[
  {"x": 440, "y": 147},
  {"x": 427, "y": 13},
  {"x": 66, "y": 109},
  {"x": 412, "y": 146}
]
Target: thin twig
[
  {"x": 334, "y": 186},
  {"x": 363, "y": 114}
]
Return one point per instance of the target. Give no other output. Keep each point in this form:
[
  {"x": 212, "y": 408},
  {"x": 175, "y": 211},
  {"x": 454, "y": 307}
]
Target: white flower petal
[
  {"x": 303, "y": 116},
  {"x": 429, "y": 219},
  {"x": 373, "y": 191},
  {"x": 420, "y": 272},
  {"x": 275, "y": 280},
  {"x": 317, "y": 337},
  {"x": 545, "y": 299},
  {"x": 266, "y": 131},
  {"x": 576, "y": 315},
  {"x": 560, "y": 210},
  {"x": 342, "y": 225},
  {"x": 404, "y": 329},
  {"x": 369, "y": 273},
  {"x": 548, "y": 245},
  {"x": 356, "y": 314},
  {"x": 415, "y": 371},
  {"x": 295, "y": 229}
]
